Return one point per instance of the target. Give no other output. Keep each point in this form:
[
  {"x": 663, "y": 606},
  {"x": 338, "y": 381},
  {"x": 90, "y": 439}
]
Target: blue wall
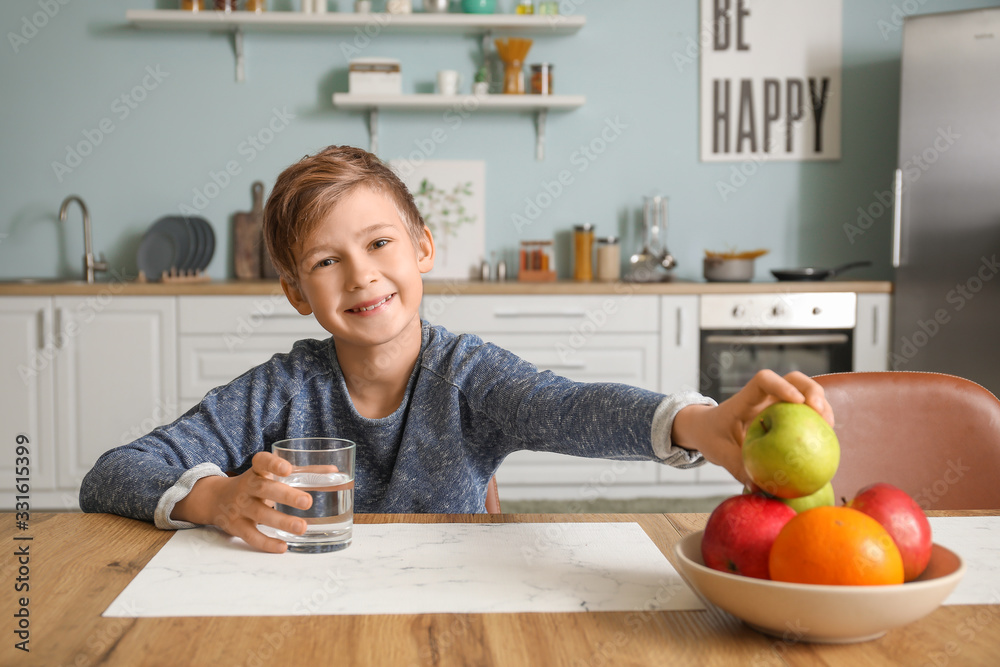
[{"x": 62, "y": 81}]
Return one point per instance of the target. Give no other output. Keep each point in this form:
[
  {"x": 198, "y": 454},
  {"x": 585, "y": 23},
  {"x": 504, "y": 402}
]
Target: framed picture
[{"x": 451, "y": 197}]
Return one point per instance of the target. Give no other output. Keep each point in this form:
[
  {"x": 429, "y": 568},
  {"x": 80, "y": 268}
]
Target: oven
[{"x": 744, "y": 333}]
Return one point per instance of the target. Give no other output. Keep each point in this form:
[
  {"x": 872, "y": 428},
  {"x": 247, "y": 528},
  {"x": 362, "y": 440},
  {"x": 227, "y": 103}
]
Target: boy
[{"x": 433, "y": 414}]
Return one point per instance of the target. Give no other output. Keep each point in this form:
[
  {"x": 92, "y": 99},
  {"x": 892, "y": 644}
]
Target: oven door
[{"x": 729, "y": 358}]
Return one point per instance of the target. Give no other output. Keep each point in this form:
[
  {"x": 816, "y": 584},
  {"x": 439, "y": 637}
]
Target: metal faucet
[{"x": 90, "y": 264}]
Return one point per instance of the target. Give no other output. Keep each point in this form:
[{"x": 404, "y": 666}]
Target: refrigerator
[{"x": 946, "y": 218}]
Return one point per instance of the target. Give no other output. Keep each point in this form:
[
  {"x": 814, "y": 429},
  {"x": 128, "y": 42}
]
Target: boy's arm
[{"x": 718, "y": 432}]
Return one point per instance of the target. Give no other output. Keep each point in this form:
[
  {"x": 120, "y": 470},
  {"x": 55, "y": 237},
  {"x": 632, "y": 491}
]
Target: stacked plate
[{"x": 176, "y": 242}]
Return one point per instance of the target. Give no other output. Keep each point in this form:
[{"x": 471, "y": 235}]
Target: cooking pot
[{"x": 812, "y": 273}]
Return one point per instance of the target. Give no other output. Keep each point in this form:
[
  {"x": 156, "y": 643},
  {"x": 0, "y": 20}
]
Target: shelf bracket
[
  {"x": 540, "y": 117},
  {"x": 238, "y": 49},
  {"x": 373, "y": 130}
]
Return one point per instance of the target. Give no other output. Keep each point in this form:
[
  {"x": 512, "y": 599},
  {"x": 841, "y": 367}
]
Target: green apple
[
  {"x": 790, "y": 451},
  {"x": 821, "y": 498}
]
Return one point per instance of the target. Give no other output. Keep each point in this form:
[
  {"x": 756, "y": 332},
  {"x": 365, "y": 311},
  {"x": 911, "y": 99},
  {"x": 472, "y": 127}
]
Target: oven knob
[
  {"x": 777, "y": 311},
  {"x": 817, "y": 310},
  {"x": 738, "y": 311}
]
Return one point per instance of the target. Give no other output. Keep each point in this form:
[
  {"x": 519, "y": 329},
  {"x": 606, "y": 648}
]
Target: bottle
[
  {"x": 526, "y": 7},
  {"x": 548, "y": 7},
  {"x": 609, "y": 259},
  {"x": 583, "y": 249}
]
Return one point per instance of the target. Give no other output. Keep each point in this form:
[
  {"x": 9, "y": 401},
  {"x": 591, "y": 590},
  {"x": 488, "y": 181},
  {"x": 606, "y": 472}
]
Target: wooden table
[{"x": 79, "y": 563}]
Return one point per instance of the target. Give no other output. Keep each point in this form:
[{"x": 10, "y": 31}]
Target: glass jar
[
  {"x": 256, "y": 6},
  {"x": 193, "y": 5},
  {"x": 609, "y": 259},
  {"x": 549, "y": 7},
  {"x": 583, "y": 252},
  {"x": 225, "y": 5},
  {"x": 513, "y": 78},
  {"x": 541, "y": 79},
  {"x": 526, "y": 7}
]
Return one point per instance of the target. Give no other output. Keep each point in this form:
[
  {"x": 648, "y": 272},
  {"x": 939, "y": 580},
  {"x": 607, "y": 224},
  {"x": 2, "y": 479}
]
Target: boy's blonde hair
[{"x": 308, "y": 190}]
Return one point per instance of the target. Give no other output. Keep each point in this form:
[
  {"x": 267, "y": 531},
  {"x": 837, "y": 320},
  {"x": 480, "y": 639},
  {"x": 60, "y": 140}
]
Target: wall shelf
[
  {"x": 453, "y": 23},
  {"x": 540, "y": 105}
]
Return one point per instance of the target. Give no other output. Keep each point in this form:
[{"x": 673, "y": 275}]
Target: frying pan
[{"x": 811, "y": 273}]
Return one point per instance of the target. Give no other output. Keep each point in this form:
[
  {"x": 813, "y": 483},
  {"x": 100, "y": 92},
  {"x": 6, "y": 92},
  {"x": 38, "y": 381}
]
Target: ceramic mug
[
  {"x": 479, "y": 6},
  {"x": 447, "y": 82}
]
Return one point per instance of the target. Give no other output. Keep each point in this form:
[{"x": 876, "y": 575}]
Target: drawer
[
  {"x": 243, "y": 317},
  {"x": 543, "y": 313},
  {"x": 547, "y": 469},
  {"x": 209, "y": 361},
  {"x": 628, "y": 358}
]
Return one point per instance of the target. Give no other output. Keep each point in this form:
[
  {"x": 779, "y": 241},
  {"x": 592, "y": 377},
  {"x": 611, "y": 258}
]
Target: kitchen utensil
[
  {"x": 817, "y": 613},
  {"x": 155, "y": 254},
  {"x": 176, "y": 227},
  {"x": 649, "y": 264},
  {"x": 248, "y": 239},
  {"x": 209, "y": 235},
  {"x": 717, "y": 269},
  {"x": 811, "y": 273}
]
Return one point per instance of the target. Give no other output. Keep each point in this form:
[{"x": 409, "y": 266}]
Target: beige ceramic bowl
[{"x": 816, "y": 613}]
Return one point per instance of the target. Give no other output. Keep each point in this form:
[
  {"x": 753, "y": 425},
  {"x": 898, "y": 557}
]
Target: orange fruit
[{"x": 835, "y": 545}]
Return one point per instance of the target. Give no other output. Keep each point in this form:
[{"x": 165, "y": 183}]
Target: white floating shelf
[
  {"x": 459, "y": 102},
  {"x": 465, "y": 104},
  {"x": 463, "y": 24}
]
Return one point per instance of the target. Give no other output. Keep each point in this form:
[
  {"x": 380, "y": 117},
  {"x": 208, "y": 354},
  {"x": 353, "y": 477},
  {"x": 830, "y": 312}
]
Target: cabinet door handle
[
  {"x": 680, "y": 327},
  {"x": 574, "y": 367},
  {"x": 43, "y": 327},
  {"x": 874, "y": 325},
  {"x": 57, "y": 328},
  {"x": 557, "y": 313},
  {"x": 897, "y": 219}
]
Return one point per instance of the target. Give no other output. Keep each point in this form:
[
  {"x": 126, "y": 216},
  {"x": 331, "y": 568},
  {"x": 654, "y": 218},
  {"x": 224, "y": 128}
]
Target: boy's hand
[
  {"x": 238, "y": 504},
  {"x": 718, "y": 432}
]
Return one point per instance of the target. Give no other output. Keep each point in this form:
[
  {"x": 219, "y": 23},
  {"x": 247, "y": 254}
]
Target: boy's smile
[{"x": 359, "y": 273}]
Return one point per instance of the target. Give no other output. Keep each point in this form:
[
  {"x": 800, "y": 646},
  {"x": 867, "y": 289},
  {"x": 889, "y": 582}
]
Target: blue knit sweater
[{"x": 468, "y": 404}]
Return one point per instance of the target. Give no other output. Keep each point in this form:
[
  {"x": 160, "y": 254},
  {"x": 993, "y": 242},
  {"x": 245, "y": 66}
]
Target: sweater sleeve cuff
[
  {"x": 663, "y": 423},
  {"x": 178, "y": 491}
]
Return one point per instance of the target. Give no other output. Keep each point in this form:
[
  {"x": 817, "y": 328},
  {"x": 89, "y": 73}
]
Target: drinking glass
[{"x": 324, "y": 468}]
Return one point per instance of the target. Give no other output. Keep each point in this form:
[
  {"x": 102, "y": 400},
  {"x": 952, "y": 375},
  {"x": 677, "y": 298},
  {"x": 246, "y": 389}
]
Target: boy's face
[{"x": 359, "y": 271}]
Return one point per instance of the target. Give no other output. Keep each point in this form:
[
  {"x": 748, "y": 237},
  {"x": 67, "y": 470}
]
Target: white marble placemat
[
  {"x": 976, "y": 540},
  {"x": 403, "y": 568}
]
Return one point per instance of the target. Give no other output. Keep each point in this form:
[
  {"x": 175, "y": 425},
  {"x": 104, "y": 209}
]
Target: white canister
[
  {"x": 448, "y": 82},
  {"x": 363, "y": 6}
]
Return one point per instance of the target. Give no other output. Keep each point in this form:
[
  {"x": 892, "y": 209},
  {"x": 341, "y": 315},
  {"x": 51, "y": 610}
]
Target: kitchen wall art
[
  {"x": 451, "y": 195},
  {"x": 770, "y": 80}
]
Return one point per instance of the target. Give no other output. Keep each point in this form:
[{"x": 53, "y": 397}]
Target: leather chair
[
  {"x": 493, "y": 497},
  {"x": 935, "y": 436}
]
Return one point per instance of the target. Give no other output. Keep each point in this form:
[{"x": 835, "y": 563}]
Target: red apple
[
  {"x": 903, "y": 519},
  {"x": 740, "y": 532}
]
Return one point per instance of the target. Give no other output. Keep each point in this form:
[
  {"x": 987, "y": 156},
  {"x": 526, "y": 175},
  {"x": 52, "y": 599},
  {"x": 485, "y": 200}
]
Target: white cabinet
[
  {"x": 221, "y": 337},
  {"x": 588, "y": 338},
  {"x": 679, "y": 343},
  {"x": 871, "y": 333},
  {"x": 26, "y": 406},
  {"x": 103, "y": 371}
]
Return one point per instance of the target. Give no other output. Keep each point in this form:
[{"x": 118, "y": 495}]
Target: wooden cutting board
[{"x": 248, "y": 239}]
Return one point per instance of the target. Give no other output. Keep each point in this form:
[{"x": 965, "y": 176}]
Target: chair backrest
[
  {"x": 493, "y": 497},
  {"x": 935, "y": 436}
]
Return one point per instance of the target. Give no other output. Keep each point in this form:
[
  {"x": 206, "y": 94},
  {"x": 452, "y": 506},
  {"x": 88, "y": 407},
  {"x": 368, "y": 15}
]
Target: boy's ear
[
  {"x": 295, "y": 297},
  {"x": 425, "y": 251}
]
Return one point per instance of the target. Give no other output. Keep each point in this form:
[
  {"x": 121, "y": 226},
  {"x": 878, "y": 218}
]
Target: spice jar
[
  {"x": 536, "y": 263},
  {"x": 541, "y": 79},
  {"x": 193, "y": 5},
  {"x": 256, "y": 6},
  {"x": 583, "y": 250},
  {"x": 609, "y": 259}
]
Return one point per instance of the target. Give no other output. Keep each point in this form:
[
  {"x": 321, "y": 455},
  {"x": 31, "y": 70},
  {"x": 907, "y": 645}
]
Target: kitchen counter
[{"x": 267, "y": 287}]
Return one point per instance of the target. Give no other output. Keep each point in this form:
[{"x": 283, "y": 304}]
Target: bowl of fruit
[{"x": 791, "y": 563}]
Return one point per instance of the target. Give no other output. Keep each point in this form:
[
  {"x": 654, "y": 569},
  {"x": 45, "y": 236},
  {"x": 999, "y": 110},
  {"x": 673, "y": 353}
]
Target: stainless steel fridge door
[{"x": 947, "y": 291}]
